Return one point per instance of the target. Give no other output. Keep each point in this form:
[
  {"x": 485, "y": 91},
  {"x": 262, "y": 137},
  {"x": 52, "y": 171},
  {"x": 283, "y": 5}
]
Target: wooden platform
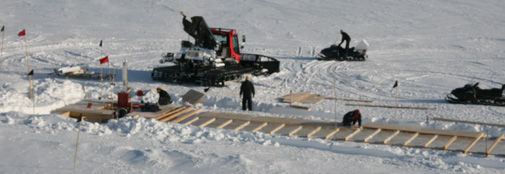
[{"x": 376, "y": 133}]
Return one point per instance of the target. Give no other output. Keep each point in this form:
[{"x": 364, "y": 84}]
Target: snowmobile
[
  {"x": 336, "y": 52},
  {"x": 472, "y": 94},
  {"x": 212, "y": 59}
]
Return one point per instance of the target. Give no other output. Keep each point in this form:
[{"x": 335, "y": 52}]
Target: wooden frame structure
[{"x": 376, "y": 133}]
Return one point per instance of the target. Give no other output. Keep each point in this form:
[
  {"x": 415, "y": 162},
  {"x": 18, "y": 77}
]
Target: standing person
[
  {"x": 347, "y": 39},
  {"x": 351, "y": 118},
  {"x": 164, "y": 97},
  {"x": 247, "y": 88}
]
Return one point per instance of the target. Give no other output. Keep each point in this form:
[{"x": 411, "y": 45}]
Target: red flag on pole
[
  {"x": 22, "y": 33},
  {"x": 104, "y": 60}
]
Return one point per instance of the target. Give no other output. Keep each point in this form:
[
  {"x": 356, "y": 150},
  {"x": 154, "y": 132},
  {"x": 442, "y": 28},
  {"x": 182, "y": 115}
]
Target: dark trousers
[{"x": 248, "y": 101}]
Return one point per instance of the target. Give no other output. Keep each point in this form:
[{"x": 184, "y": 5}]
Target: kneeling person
[
  {"x": 351, "y": 118},
  {"x": 164, "y": 97}
]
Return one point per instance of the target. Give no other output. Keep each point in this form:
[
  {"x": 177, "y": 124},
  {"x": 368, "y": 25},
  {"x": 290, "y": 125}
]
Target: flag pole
[
  {"x": 1, "y": 52},
  {"x": 77, "y": 143},
  {"x": 101, "y": 75},
  {"x": 396, "y": 108},
  {"x": 29, "y": 76},
  {"x": 335, "y": 101}
]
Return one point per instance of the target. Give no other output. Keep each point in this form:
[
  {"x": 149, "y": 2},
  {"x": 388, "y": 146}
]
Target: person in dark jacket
[
  {"x": 247, "y": 90},
  {"x": 164, "y": 97},
  {"x": 351, "y": 118},
  {"x": 347, "y": 39}
]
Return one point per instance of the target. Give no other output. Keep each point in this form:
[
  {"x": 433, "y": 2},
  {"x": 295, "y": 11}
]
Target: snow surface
[{"x": 430, "y": 47}]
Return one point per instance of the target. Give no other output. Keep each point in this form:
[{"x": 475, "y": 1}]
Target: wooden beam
[
  {"x": 208, "y": 122},
  {"x": 277, "y": 128},
  {"x": 431, "y": 140},
  {"x": 177, "y": 109},
  {"x": 314, "y": 131},
  {"x": 331, "y": 134},
  {"x": 466, "y": 121},
  {"x": 371, "y": 135},
  {"x": 346, "y": 99},
  {"x": 473, "y": 142},
  {"x": 352, "y": 134},
  {"x": 177, "y": 120},
  {"x": 494, "y": 144},
  {"x": 411, "y": 138},
  {"x": 391, "y": 137},
  {"x": 191, "y": 121},
  {"x": 169, "y": 117},
  {"x": 242, "y": 125},
  {"x": 259, "y": 127},
  {"x": 295, "y": 130},
  {"x": 225, "y": 123},
  {"x": 450, "y": 142},
  {"x": 301, "y": 107},
  {"x": 389, "y": 106}
]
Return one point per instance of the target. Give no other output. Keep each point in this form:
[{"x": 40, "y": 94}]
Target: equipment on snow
[
  {"x": 472, "y": 94},
  {"x": 335, "y": 52},
  {"x": 78, "y": 71},
  {"x": 212, "y": 59}
]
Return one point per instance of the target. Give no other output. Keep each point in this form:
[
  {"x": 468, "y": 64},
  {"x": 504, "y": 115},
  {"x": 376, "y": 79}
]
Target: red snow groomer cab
[
  {"x": 227, "y": 40},
  {"x": 213, "y": 58}
]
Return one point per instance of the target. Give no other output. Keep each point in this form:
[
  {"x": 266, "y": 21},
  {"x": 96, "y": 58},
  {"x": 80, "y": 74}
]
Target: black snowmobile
[
  {"x": 335, "y": 52},
  {"x": 472, "y": 94}
]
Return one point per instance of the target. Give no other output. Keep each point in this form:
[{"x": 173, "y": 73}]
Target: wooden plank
[
  {"x": 65, "y": 113},
  {"x": 494, "y": 144},
  {"x": 179, "y": 119},
  {"x": 225, "y": 123},
  {"x": 346, "y": 99},
  {"x": 259, "y": 127},
  {"x": 352, "y": 134},
  {"x": 450, "y": 142},
  {"x": 466, "y": 121},
  {"x": 314, "y": 131},
  {"x": 242, "y": 126},
  {"x": 301, "y": 107},
  {"x": 208, "y": 122},
  {"x": 295, "y": 130},
  {"x": 389, "y": 106},
  {"x": 473, "y": 143},
  {"x": 277, "y": 128},
  {"x": 191, "y": 121},
  {"x": 331, "y": 134},
  {"x": 391, "y": 137},
  {"x": 193, "y": 97},
  {"x": 169, "y": 117},
  {"x": 431, "y": 140},
  {"x": 177, "y": 109},
  {"x": 371, "y": 135},
  {"x": 409, "y": 140}
]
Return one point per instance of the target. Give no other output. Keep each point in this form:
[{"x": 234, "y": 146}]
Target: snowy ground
[{"x": 430, "y": 47}]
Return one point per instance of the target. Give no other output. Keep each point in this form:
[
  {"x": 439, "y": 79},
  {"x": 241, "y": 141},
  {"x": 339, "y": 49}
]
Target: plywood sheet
[
  {"x": 193, "y": 97},
  {"x": 295, "y": 97},
  {"x": 313, "y": 99}
]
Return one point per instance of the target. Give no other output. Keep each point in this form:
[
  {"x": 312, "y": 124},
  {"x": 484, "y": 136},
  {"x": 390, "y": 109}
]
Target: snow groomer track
[{"x": 376, "y": 133}]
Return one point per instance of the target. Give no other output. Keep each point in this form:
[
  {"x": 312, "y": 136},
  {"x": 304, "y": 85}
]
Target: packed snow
[{"x": 430, "y": 47}]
